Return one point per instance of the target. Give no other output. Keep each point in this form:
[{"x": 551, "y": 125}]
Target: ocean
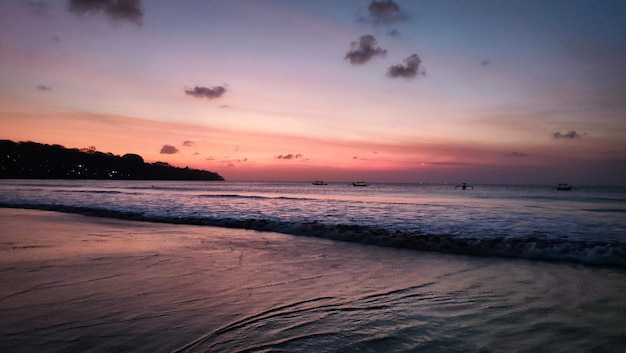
[
  {"x": 586, "y": 225},
  {"x": 295, "y": 267}
]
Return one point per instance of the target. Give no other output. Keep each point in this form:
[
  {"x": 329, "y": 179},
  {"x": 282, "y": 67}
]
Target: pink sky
[{"x": 498, "y": 97}]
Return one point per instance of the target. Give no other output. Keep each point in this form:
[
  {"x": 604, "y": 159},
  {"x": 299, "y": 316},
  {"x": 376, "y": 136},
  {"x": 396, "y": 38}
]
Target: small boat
[
  {"x": 359, "y": 183},
  {"x": 563, "y": 187},
  {"x": 319, "y": 182},
  {"x": 464, "y": 186}
]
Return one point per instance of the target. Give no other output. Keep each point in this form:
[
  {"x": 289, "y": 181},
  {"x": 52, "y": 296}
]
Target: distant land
[{"x": 32, "y": 160}]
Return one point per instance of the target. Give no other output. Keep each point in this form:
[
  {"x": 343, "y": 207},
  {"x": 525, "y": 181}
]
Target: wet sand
[{"x": 75, "y": 283}]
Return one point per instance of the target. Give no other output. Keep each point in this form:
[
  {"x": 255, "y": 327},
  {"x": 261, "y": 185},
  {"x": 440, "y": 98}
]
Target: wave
[
  {"x": 606, "y": 210},
  {"x": 221, "y": 196},
  {"x": 536, "y": 247},
  {"x": 96, "y": 192},
  {"x": 257, "y": 197}
]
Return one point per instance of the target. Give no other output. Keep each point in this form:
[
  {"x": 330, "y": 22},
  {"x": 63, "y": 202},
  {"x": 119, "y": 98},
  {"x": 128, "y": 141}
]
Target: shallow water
[{"x": 74, "y": 283}]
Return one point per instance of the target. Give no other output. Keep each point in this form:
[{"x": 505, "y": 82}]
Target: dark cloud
[
  {"x": 410, "y": 68},
  {"x": 384, "y": 12},
  {"x": 206, "y": 92},
  {"x": 125, "y": 10},
  {"x": 44, "y": 88},
  {"x": 365, "y": 49},
  {"x": 485, "y": 62},
  {"x": 290, "y": 156},
  {"x": 570, "y": 135},
  {"x": 189, "y": 143},
  {"x": 517, "y": 154},
  {"x": 168, "y": 149}
]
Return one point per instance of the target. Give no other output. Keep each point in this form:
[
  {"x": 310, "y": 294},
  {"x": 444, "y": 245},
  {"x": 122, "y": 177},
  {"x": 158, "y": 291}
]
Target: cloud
[
  {"x": 517, "y": 154},
  {"x": 44, "y": 88},
  {"x": 365, "y": 49},
  {"x": 410, "y": 68},
  {"x": 570, "y": 135},
  {"x": 384, "y": 12},
  {"x": 169, "y": 149},
  {"x": 189, "y": 143},
  {"x": 127, "y": 10},
  {"x": 485, "y": 62},
  {"x": 206, "y": 92},
  {"x": 290, "y": 156}
]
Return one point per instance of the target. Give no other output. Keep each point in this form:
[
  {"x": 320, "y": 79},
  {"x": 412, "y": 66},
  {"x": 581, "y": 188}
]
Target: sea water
[
  {"x": 545, "y": 273},
  {"x": 586, "y": 224}
]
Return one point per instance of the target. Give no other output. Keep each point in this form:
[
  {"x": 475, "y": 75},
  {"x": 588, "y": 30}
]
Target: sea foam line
[{"x": 601, "y": 253}]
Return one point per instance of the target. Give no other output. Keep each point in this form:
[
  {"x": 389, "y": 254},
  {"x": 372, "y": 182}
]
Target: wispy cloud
[
  {"x": 44, "y": 88},
  {"x": 126, "y": 10},
  {"x": 206, "y": 92},
  {"x": 38, "y": 7},
  {"x": 169, "y": 149},
  {"x": 188, "y": 143},
  {"x": 569, "y": 135},
  {"x": 364, "y": 50},
  {"x": 410, "y": 68},
  {"x": 517, "y": 154}
]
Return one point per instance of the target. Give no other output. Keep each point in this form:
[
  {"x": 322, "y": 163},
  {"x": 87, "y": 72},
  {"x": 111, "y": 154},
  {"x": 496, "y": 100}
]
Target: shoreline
[{"x": 596, "y": 254}]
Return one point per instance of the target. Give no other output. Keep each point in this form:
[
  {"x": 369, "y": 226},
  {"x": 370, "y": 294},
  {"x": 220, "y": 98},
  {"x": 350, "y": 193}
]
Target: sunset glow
[{"x": 440, "y": 91}]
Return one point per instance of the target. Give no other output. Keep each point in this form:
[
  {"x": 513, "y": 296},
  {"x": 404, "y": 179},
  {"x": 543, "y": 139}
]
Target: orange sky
[{"x": 290, "y": 91}]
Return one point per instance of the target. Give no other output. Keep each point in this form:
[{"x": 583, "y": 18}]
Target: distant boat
[
  {"x": 464, "y": 186},
  {"x": 319, "y": 182},
  {"x": 563, "y": 187},
  {"x": 359, "y": 183}
]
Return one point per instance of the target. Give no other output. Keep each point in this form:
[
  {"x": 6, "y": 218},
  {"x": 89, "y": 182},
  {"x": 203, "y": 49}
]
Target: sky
[{"x": 485, "y": 91}]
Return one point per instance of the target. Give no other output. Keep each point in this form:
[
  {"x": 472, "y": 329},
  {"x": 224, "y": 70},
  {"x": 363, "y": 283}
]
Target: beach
[{"x": 77, "y": 283}]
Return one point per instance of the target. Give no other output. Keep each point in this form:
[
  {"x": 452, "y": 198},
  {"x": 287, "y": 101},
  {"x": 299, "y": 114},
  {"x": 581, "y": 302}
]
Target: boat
[
  {"x": 464, "y": 186},
  {"x": 319, "y": 182},
  {"x": 563, "y": 187},
  {"x": 359, "y": 183}
]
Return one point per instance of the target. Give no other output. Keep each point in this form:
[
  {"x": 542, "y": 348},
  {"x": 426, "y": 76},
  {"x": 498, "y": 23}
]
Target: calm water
[{"x": 585, "y": 225}]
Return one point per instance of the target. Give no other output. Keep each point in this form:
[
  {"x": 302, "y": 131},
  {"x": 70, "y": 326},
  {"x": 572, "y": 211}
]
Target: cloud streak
[
  {"x": 124, "y": 10},
  {"x": 364, "y": 50},
  {"x": 206, "y": 92},
  {"x": 410, "y": 68},
  {"x": 569, "y": 135},
  {"x": 290, "y": 156}
]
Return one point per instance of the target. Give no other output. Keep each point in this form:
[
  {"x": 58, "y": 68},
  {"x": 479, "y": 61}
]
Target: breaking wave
[{"x": 537, "y": 247}]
